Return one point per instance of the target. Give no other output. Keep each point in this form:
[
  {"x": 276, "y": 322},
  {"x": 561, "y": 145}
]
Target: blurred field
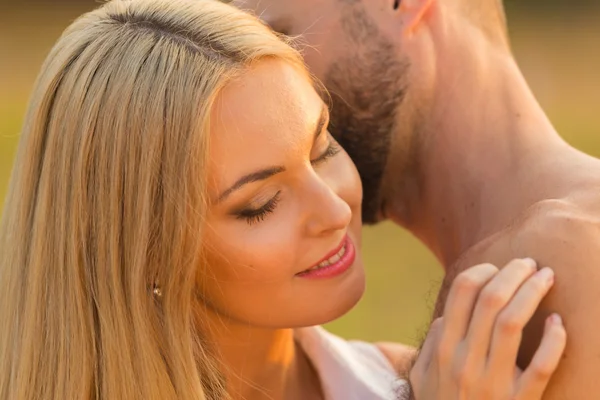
[{"x": 558, "y": 53}]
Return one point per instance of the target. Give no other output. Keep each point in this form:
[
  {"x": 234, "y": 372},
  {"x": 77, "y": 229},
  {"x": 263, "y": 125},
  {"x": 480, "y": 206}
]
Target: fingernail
[
  {"x": 531, "y": 262},
  {"x": 546, "y": 274},
  {"x": 555, "y": 319}
]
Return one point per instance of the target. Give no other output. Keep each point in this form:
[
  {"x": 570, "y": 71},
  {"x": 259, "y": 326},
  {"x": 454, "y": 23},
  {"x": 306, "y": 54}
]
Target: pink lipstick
[{"x": 333, "y": 264}]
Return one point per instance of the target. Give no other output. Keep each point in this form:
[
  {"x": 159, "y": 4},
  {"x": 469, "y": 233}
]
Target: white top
[{"x": 350, "y": 370}]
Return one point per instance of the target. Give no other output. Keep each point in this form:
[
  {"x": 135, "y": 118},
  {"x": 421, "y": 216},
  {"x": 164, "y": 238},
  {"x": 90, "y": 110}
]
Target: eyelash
[
  {"x": 332, "y": 150},
  {"x": 255, "y": 216}
]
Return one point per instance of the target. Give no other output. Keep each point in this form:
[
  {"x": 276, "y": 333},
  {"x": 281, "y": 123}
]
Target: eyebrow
[{"x": 269, "y": 172}]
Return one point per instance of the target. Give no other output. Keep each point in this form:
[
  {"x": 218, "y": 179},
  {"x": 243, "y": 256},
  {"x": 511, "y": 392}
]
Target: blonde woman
[{"x": 179, "y": 222}]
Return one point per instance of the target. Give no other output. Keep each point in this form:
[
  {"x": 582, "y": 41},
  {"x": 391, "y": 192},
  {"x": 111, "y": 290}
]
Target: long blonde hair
[{"x": 107, "y": 197}]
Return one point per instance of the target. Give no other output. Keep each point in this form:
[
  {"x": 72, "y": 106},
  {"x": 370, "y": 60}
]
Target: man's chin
[
  {"x": 381, "y": 214},
  {"x": 376, "y": 216},
  {"x": 386, "y": 212}
]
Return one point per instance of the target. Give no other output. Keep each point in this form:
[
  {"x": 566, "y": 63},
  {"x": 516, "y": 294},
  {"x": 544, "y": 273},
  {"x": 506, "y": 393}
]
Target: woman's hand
[{"x": 471, "y": 352}]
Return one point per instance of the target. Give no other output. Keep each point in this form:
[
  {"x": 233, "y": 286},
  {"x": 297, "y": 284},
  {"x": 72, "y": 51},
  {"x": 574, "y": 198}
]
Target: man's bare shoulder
[
  {"x": 555, "y": 228},
  {"x": 548, "y": 229},
  {"x": 565, "y": 236}
]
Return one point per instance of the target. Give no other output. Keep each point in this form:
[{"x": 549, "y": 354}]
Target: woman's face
[{"x": 285, "y": 198}]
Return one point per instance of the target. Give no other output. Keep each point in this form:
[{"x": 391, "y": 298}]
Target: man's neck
[{"x": 490, "y": 153}]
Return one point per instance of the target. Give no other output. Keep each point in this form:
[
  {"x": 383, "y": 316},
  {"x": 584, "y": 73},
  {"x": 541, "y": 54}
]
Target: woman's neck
[{"x": 260, "y": 363}]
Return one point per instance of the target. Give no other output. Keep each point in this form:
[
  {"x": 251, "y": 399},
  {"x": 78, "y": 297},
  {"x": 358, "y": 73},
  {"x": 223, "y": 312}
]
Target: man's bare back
[{"x": 563, "y": 234}]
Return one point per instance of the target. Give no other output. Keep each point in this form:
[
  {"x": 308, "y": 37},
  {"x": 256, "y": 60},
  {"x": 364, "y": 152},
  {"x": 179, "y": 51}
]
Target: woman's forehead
[
  {"x": 269, "y": 92},
  {"x": 262, "y": 117}
]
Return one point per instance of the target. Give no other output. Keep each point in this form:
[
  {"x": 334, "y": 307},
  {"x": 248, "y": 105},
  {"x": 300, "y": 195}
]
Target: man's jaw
[
  {"x": 386, "y": 212},
  {"x": 381, "y": 213}
]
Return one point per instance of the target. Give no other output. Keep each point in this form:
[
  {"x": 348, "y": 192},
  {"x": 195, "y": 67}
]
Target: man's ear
[{"x": 413, "y": 14}]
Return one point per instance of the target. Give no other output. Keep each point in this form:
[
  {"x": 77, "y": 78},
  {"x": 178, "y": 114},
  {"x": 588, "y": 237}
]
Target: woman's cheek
[
  {"x": 250, "y": 268},
  {"x": 258, "y": 253}
]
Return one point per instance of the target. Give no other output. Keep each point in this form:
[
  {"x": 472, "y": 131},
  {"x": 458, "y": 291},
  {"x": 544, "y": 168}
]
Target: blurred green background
[{"x": 557, "y": 44}]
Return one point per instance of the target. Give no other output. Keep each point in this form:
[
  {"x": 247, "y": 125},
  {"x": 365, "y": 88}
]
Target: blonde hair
[{"x": 108, "y": 196}]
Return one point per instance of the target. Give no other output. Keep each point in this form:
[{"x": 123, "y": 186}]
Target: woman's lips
[{"x": 334, "y": 264}]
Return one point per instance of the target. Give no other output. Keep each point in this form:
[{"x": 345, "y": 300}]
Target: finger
[
  {"x": 459, "y": 306},
  {"x": 496, "y": 295},
  {"x": 509, "y": 326},
  {"x": 425, "y": 355},
  {"x": 535, "y": 378}
]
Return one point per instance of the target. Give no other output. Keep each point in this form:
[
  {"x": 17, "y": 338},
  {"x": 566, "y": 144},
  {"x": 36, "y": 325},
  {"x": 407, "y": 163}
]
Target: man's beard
[{"x": 366, "y": 91}]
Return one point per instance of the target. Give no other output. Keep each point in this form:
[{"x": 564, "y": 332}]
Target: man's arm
[{"x": 569, "y": 243}]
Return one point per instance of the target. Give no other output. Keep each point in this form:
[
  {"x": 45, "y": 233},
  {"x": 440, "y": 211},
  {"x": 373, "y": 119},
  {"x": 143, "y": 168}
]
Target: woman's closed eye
[
  {"x": 332, "y": 150},
  {"x": 255, "y": 215}
]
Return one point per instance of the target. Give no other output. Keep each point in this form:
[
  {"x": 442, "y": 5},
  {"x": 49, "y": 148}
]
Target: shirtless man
[{"x": 452, "y": 145}]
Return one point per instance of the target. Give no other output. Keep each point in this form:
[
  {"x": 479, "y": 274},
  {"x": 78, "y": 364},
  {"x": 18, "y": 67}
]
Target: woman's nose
[{"x": 328, "y": 211}]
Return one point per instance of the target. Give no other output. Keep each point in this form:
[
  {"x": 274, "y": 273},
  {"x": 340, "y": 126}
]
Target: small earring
[{"x": 157, "y": 290}]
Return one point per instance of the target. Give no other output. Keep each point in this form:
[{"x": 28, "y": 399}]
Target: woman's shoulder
[
  {"x": 365, "y": 370},
  {"x": 400, "y": 356}
]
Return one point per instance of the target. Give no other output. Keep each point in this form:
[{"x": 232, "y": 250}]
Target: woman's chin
[{"x": 340, "y": 300}]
